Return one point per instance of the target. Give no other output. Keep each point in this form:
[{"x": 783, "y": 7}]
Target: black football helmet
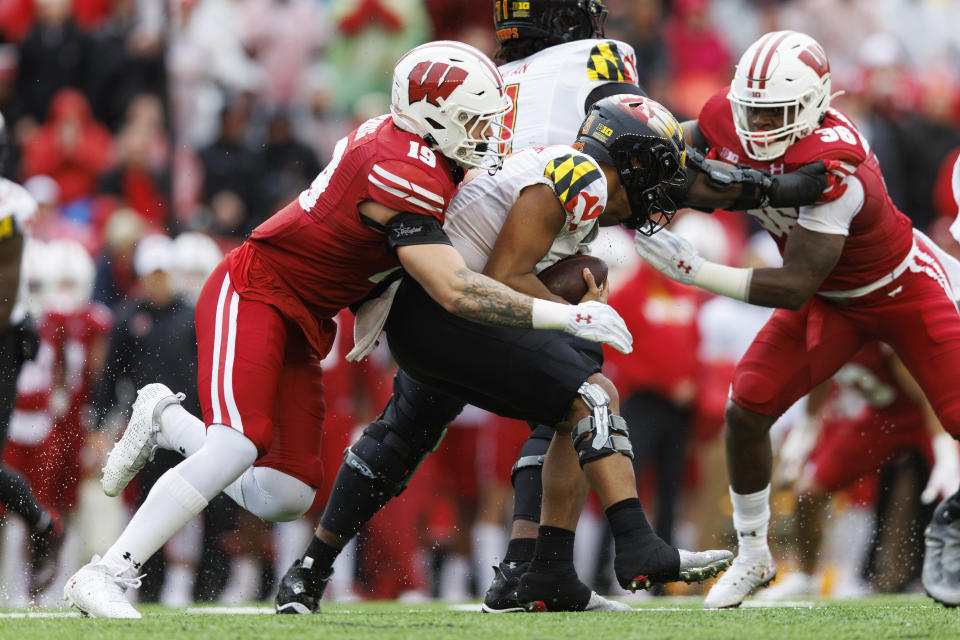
[
  {"x": 553, "y": 21},
  {"x": 644, "y": 142}
]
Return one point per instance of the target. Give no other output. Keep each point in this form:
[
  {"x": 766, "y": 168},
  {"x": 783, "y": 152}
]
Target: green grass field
[{"x": 675, "y": 618}]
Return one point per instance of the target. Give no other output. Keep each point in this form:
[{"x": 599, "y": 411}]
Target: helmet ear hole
[{"x": 433, "y": 123}]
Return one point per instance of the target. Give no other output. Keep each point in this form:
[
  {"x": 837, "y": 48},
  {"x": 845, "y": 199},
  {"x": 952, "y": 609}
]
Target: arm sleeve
[{"x": 835, "y": 216}]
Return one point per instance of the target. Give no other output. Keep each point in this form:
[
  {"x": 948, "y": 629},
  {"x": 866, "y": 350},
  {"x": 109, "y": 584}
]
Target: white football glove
[
  {"x": 598, "y": 322},
  {"x": 672, "y": 255},
  {"x": 945, "y": 475}
]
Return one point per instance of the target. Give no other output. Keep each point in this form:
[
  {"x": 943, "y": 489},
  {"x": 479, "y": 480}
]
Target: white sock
[
  {"x": 171, "y": 504},
  {"x": 181, "y": 431},
  {"x": 181, "y": 493},
  {"x": 751, "y": 517},
  {"x": 454, "y": 578},
  {"x": 489, "y": 541}
]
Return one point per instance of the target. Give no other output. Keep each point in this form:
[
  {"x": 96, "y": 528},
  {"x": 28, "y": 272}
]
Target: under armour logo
[
  {"x": 583, "y": 318},
  {"x": 683, "y": 266},
  {"x": 129, "y": 558},
  {"x": 744, "y": 534}
]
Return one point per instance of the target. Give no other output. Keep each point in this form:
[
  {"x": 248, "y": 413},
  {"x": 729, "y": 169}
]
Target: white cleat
[
  {"x": 744, "y": 576},
  {"x": 793, "y": 585},
  {"x": 599, "y": 603},
  {"x": 98, "y": 590},
  {"x": 697, "y": 566},
  {"x": 139, "y": 441}
]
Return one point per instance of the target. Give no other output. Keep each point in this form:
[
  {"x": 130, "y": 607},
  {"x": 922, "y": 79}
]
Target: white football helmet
[
  {"x": 784, "y": 70},
  {"x": 197, "y": 256},
  {"x": 36, "y": 276},
  {"x": 441, "y": 87},
  {"x": 73, "y": 274}
]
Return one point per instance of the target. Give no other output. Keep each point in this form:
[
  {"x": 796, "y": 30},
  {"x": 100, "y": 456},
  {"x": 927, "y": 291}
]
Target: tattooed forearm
[{"x": 487, "y": 301}]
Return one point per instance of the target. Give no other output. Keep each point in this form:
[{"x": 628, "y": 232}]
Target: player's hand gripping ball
[{"x": 565, "y": 278}]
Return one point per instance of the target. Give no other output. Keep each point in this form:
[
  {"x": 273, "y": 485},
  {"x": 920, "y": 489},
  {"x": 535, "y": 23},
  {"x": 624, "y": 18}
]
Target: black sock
[
  {"x": 520, "y": 550},
  {"x": 321, "y": 557},
  {"x": 629, "y": 524},
  {"x": 15, "y": 493},
  {"x": 554, "y": 549}
]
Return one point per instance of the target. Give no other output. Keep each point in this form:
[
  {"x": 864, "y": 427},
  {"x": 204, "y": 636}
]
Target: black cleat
[
  {"x": 44, "y": 551},
  {"x": 639, "y": 568},
  {"x": 502, "y": 595},
  {"x": 941, "y": 560},
  {"x": 301, "y": 590},
  {"x": 561, "y": 590}
]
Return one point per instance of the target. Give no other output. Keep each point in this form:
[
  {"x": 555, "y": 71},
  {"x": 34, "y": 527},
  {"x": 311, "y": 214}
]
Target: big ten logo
[
  {"x": 605, "y": 130},
  {"x": 520, "y": 6}
]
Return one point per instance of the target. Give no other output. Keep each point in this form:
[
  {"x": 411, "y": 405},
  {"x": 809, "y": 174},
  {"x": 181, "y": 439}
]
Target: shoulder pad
[
  {"x": 608, "y": 61},
  {"x": 406, "y": 186},
  {"x": 579, "y": 184},
  {"x": 836, "y": 139}
]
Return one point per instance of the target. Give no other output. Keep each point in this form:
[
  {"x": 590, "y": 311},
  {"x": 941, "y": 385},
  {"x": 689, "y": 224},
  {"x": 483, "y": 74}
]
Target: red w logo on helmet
[
  {"x": 816, "y": 58},
  {"x": 433, "y": 81}
]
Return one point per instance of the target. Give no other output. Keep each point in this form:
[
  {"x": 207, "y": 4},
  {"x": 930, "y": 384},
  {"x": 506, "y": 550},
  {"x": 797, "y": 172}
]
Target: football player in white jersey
[
  {"x": 544, "y": 204},
  {"x": 555, "y": 63},
  {"x": 18, "y": 343}
]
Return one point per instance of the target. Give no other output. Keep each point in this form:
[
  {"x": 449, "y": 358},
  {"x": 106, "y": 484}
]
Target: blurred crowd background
[{"x": 156, "y": 134}]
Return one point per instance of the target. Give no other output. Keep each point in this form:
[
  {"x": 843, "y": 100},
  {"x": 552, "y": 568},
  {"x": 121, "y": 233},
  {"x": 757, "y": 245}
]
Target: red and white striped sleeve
[{"x": 404, "y": 186}]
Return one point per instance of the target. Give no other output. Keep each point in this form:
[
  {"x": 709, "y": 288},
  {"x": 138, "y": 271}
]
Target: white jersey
[
  {"x": 17, "y": 208},
  {"x": 478, "y": 210},
  {"x": 550, "y": 87}
]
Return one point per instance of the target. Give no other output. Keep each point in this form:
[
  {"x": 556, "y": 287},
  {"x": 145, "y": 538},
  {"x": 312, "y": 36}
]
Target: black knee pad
[
  {"x": 411, "y": 426},
  {"x": 526, "y": 475},
  {"x": 533, "y": 451}
]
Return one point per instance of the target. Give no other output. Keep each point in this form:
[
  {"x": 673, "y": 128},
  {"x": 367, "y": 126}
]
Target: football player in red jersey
[
  {"x": 869, "y": 413},
  {"x": 854, "y": 271},
  {"x": 264, "y": 318},
  {"x": 47, "y": 430},
  {"x": 629, "y": 153},
  {"x": 18, "y": 344}
]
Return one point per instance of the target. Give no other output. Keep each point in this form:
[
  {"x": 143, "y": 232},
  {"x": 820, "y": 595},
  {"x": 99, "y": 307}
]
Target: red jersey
[
  {"x": 880, "y": 236},
  {"x": 662, "y": 316},
  {"x": 316, "y": 256},
  {"x": 63, "y": 360}
]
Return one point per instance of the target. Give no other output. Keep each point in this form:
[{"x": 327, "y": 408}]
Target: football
[{"x": 565, "y": 278}]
